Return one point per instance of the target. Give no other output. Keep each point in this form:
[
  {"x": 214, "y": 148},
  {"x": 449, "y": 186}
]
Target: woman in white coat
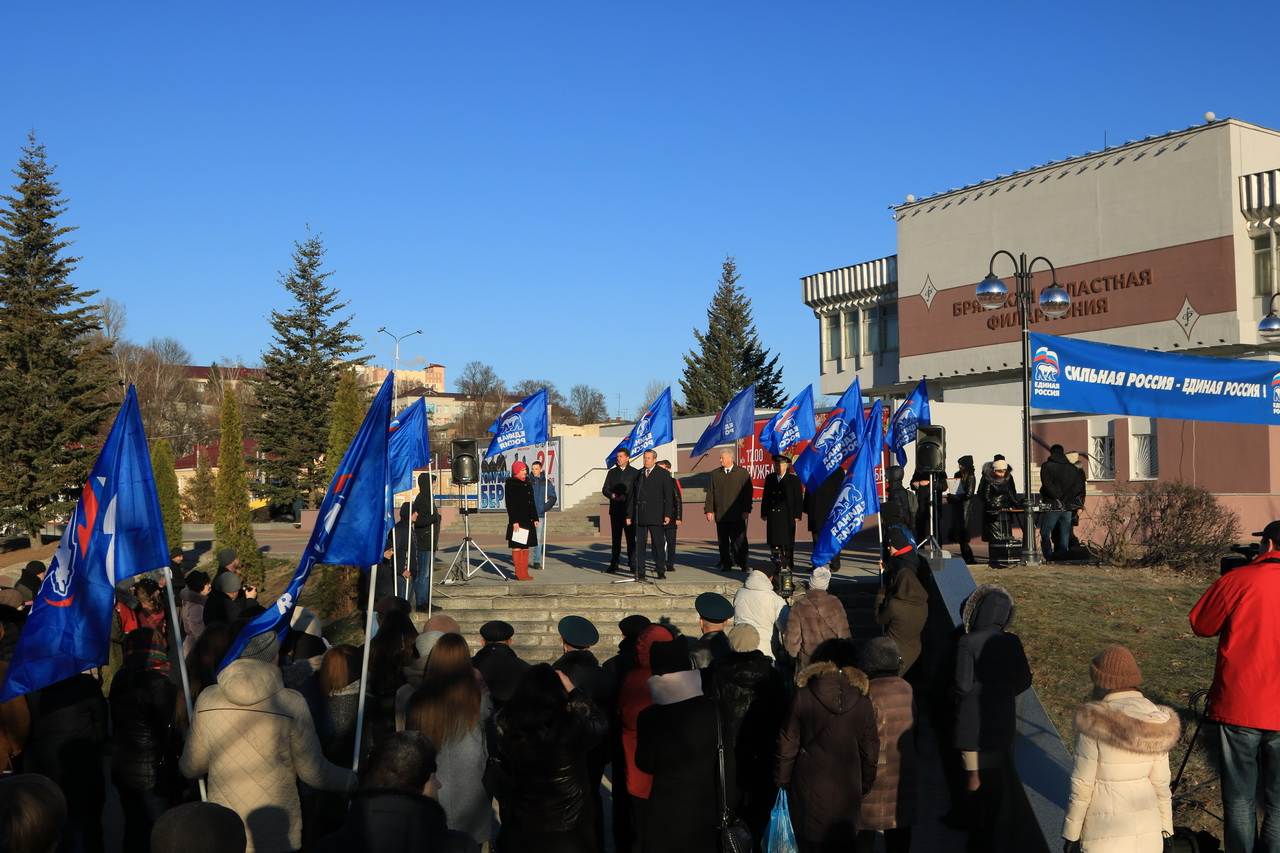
[
  {"x": 757, "y": 605},
  {"x": 1120, "y": 798}
]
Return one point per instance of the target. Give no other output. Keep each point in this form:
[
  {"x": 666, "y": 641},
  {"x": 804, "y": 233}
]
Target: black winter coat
[
  {"x": 991, "y": 670},
  {"x": 1061, "y": 483},
  {"x": 142, "y": 705},
  {"x": 781, "y": 504},
  {"x": 679, "y": 495},
  {"x": 68, "y": 730},
  {"x": 541, "y": 778},
  {"x": 521, "y": 510},
  {"x": 827, "y": 754},
  {"x": 752, "y": 699},
  {"x": 617, "y": 488},
  {"x": 388, "y": 821},
  {"x": 219, "y": 607},
  {"x": 707, "y": 650},
  {"x": 501, "y": 669},
  {"x": 676, "y": 743},
  {"x": 652, "y": 501},
  {"x": 818, "y": 502}
]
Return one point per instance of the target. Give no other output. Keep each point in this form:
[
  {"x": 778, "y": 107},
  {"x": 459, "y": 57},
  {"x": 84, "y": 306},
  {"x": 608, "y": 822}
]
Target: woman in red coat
[{"x": 633, "y": 698}]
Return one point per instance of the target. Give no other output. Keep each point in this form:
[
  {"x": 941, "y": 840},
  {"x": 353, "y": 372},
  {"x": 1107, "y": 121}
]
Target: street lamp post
[
  {"x": 1269, "y": 326},
  {"x": 1054, "y": 302},
  {"x": 395, "y": 368}
]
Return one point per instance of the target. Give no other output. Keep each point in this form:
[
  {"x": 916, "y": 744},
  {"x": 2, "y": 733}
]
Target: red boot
[{"x": 520, "y": 556}]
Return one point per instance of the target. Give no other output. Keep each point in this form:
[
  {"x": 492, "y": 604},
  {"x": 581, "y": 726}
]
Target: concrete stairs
[
  {"x": 535, "y": 609},
  {"x": 581, "y": 521}
]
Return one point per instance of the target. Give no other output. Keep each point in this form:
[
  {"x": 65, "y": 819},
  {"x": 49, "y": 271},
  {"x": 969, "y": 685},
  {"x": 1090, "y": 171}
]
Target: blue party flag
[
  {"x": 520, "y": 425},
  {"x": 651, "y": 429},
  {"x": 913, "y": 412},
  {"x": 859, "y": 498},
  {"x": 836, "y": 440},
  {"x": 736, "y": 420},
  {"x": 792, "y": 424},
  {"x": 409, "y": 445}
]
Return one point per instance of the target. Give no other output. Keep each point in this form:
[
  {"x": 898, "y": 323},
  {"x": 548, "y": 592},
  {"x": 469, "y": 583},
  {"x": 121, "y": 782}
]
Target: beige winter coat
[
  {"x": 253, "y": 738},
  {"x": 1120, "y": 799}
]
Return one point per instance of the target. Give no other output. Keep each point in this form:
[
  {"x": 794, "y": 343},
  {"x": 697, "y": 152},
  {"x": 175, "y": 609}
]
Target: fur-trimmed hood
[
  {"x": 835, "y": 689},
  {"x": 995, "y": 610},
  {"x": 1128, "y": 720}
]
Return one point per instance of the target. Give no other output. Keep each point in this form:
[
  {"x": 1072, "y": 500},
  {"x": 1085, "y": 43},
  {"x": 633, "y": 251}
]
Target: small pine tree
[
  {"x": 55, "y": 370},
  {"x": 729, "y": 356},
  {"x": 232, "y": 527},
  {"x": 346, "y": 413},
  {"x": 202, "y": 495},
  {"x": 167, "y": 491}
]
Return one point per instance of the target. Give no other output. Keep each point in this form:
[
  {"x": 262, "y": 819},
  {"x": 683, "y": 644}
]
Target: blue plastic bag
[{"x": 781, "y": 837}]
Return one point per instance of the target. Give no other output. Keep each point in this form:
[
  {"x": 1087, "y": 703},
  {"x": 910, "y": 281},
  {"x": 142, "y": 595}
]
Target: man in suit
[
  {"x": 617, "y": 487},
  {"x": 674, "y": 527},
  {"x": 728, "y": 504},
  {"x": 781, "y": 505},
  {"x": 650, "y": 508}
]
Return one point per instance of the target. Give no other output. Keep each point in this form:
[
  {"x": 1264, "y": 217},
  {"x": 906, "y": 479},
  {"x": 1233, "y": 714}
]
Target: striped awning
[{"x": 864, "y": 282}]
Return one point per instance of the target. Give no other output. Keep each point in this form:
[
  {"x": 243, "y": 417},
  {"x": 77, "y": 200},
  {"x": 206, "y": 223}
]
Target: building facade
[{"x": 1168, "y": 243}]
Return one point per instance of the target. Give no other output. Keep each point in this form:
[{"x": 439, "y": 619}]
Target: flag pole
[
  {"x": 411, "y": 548},
  {"x": 364, "y": 666},
  {"x": 546, "y": 487},
  {"x": 182, "y": 666},
  {"x": 431, "y": 530}
]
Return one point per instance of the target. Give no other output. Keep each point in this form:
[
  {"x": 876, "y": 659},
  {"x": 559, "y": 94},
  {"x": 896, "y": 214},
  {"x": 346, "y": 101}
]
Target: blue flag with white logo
[
  {"x": 115, "y": 532},
  {"x": 859, "y": 497},
  {"x": 836, "y": 440},
  {"x": 736, "y": 420},
  {"x": 792, "y": 425},
  {"x": 408, "y": 446},
  {"x": 651, "y": 429},
  {"x": 520, "y": 425},
  {"x": 351, "y": 525},
  {"x": 913, "y": 413}
]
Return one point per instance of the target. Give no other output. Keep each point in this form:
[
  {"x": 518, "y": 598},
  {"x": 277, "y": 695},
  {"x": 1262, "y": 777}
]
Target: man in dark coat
[
  {"x": 781, "y": 505},
  {"x": 1061, "y": 489},
  {"x": 426, "y": 532},
  {"x": 227, "y": 601},
  {"x": 676, "y": 744},
  {"x": 650, "y": 507},
  {"x": 578, "y": 635},
  {"x": 617, "y": 489},
  {"x": 728, "y": 504},
  {"x": 497, "y": 662},
  {"x": 817, "y": 506},
  {"x": 399, "y": 558},
  {"x": 715, "y": 612},
  {"x": 674, "y": 527},
  {"x": 929, "y": 489},
  {"x": 31, "y": 580}
]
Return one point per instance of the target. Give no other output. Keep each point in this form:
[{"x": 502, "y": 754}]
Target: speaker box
[
  {"x": 931, "y": 449},
  {"x": 465, "y": 463}
]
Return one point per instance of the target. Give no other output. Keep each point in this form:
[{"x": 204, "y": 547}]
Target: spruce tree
[
  {"x": 55, "y": 371},
  {"x": 300, "y": 372},
  {"x": 729, "y": 356},
  {"x": 202, "y": 496},
  {"x": 167, "y": 491},
  {"x": 345, "y": 416},
  {"x": 232, "y": 526}
]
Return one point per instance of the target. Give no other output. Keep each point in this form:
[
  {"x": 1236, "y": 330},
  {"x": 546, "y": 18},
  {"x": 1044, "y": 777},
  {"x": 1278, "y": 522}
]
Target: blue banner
[
  {"x": 859, "y": 497},
  {"x": 115, "y": 532},
  {"x": 836, "y": 440},
  {"x": 651, "y": 429},
  {"x": 913, "y": 413},
  {"x": 408, "y": 446},
  {"x": 736, "y": 420},
  {"x": 1072, "y": 375},
  {"x": 792, "y": 425},
  {"x": 351, "y": 526},
  {"x": 520, "y": 425}
]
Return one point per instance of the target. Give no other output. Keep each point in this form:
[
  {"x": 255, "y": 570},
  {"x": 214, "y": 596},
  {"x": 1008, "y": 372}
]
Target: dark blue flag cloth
[
  {"x": 351, "y": 526},
  {"x": 859, "y": 498},
  {"x": 115, "y": 532},
  {"x": 836, "y": 440},
  {"x": 793, "y": 424},
  {"x": 523, "y": 424},
  {"x": 651, "y": 429},
  {"x": 736, "y": 420},
  {"x": 913, "y": 412},
  {"x": 408, "y": 447}
]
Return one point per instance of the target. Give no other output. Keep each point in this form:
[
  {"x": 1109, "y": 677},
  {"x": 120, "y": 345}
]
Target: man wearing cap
[
  {"x": 1242, "y": 609},
  {"x": 579, "y": 664},
  {"x": 650, "y": 508},
  {"x": 497, "y": 662},
  {"x": 31, "y": 580},
  {"x": 728, "y": 505},
  {"x": 715, "y": 612},
  {"x": 781, "y": 505},
  {"x": 228, "y": 561},
  {"x": 617, "y": 488}
]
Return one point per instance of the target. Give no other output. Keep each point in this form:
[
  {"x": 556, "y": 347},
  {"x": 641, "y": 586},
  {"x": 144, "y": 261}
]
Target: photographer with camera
[{"x": 1242, "y": 609}]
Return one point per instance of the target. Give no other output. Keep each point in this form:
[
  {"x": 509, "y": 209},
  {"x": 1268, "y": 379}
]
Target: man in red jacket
[{"x": 1242, "y": 609}]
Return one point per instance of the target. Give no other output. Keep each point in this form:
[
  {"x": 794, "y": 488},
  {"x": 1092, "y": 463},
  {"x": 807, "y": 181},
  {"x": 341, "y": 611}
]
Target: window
[
  {"x": 852, "y": 340},
  {"x": 889, "y": 317},
  {"x": 1102, "y": 450},
  {"x": 833, "y": 337},
  {"x": 1143, "y": 449},
  {"x": 1262, "y": 264},
  {"x": 882, "y": 328}
]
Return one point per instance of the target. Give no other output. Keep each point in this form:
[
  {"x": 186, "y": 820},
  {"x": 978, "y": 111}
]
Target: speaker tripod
[{"x": 461, "y": 569}]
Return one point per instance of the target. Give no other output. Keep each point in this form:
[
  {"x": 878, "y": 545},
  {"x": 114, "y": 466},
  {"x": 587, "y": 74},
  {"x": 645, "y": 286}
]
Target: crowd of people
[{"x": 466, "y": 749}]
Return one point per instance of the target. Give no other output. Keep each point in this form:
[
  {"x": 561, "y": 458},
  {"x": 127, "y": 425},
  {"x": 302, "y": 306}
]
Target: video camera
[{"x": 1241, "y": 555}]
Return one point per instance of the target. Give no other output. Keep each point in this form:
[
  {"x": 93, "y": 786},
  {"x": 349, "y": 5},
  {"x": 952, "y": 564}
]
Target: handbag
[{"x": 735, "y": 836}]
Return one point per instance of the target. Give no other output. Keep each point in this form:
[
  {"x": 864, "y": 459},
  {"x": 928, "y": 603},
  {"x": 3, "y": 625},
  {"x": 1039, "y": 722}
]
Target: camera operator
[{"x": 1242, "y": 609}]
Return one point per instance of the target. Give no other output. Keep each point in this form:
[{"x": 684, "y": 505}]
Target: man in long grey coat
[{"x": 728, "y": 504}]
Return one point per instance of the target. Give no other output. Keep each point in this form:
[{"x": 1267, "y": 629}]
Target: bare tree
[
  {"x": 478, "y": 379},
  {"x": 488, "y": 396},
  {"x": 167, "y": 401},
  {"x": 652, "y": 389},
  {"x": 525, "y": 387},
  {"x": 587, "y": 404}
]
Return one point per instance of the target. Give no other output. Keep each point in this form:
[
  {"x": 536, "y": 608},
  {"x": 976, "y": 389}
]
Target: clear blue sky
[{"x": 550, "y": 187}]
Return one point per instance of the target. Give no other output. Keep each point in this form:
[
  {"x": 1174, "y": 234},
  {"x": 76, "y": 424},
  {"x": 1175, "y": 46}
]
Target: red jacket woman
[{"x": 633, "y": 698}]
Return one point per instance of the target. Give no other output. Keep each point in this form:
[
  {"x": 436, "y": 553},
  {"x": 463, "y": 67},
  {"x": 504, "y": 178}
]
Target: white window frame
[
  {"x": 1142, "y": 431},
  {"x": 1269, "y": 251},
  {"x": 1102, "y": 450}
]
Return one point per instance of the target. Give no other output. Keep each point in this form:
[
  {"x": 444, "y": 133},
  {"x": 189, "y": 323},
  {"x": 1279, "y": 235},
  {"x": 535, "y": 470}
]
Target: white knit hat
[{"x": 821, "y": 578}]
